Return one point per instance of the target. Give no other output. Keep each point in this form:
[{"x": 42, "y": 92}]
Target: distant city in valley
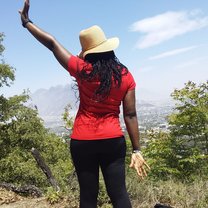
[{"x": 152, "y": 114}]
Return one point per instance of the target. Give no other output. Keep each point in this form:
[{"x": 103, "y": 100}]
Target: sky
[{"x": 164, "y": 43}]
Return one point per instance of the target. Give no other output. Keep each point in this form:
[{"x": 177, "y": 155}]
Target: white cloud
[
  {"x": 201, "y": 61},
  {"x": 146, "y": 69},
  {"x": 173, "y": 52},
  {"x": 168, "y": 25}
]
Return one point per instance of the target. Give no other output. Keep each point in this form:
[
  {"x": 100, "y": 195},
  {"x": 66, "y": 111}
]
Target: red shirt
[{"x": 97, "y": 120}]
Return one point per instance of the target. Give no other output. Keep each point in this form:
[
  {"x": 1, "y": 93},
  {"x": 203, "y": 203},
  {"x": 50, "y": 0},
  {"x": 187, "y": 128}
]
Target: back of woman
[
  {"x": 103, "y": 83},
  {"x": 97, "y": 141}
]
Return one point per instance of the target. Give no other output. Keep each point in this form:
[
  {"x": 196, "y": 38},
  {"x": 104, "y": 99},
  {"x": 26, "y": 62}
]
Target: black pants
[{"x": 109, "y": 154}]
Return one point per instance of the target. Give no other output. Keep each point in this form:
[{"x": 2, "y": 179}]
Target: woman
[{"x": 97, "y": 139}]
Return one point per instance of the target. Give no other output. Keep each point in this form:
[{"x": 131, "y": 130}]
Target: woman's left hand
[
  {"x": 138, "y": 163},
  {"x": 24, "y": 12}
]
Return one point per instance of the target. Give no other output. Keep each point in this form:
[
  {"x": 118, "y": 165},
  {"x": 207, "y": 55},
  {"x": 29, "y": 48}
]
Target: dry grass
[{"x": 146, "y": 194}]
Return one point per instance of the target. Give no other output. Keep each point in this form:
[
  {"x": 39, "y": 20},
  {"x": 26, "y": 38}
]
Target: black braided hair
[{"x": 107, "y": 69}]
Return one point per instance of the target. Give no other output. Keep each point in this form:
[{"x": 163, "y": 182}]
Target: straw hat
[{"x": 93, "y": 40}]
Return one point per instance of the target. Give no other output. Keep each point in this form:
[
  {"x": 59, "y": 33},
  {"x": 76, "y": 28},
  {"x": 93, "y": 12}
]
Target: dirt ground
[{"x": 9, "y": 199}]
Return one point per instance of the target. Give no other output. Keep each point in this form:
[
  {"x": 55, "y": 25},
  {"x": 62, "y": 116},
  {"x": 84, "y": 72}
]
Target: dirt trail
[
  {"x": 28, "y": 203},
  {"x": 9, "y": 199}
]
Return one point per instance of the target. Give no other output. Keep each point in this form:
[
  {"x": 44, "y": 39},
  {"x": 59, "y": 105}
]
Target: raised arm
[
  {"x": 130, "y": 118},
  {"x": 61, "y": 54}
]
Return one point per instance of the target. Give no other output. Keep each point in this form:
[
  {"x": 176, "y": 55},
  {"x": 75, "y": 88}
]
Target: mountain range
[{"x": 51, "y": 102}]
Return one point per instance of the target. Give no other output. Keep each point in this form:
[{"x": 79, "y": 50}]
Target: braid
[{"x": 106, "y": 68}]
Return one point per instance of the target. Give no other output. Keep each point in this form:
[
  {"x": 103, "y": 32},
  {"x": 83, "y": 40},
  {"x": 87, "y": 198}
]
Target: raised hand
[
  {"x": 61, "y": 54},
  {"x": 24, "y": 13}
]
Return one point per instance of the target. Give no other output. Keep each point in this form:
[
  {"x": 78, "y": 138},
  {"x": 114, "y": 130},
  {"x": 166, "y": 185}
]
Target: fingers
[
  {"x": 26, "y": 7},
  {"x": 138, "y": 172},
  {"x": 144, "y": 172},
  {"x": 132, "y": 163},
  {"x": 141, "y": 172},
  {"x": 147, "y": 165},
  {"x": 27, "y": 3}
]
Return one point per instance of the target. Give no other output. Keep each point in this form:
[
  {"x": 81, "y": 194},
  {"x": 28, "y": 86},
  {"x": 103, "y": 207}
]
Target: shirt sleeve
[
  {"x": 75, "y": 64},
  {"x": 131, "y": 82}
]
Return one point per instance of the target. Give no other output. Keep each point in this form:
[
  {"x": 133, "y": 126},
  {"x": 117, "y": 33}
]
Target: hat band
[{"x": 94, "y": 46}]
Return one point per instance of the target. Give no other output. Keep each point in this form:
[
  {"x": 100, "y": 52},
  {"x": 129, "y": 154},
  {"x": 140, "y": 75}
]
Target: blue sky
[{"x": 164, "y": 43}]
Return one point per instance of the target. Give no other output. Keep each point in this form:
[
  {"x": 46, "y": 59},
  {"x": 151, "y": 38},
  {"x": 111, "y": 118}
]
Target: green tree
[
  {"x": 183, "y": 152},
  {"x": 161, "y": 155},
  {"x": 6, "y": 71},
  {"x": 189, "y": 127},
  {"x": 21, "y": 129}
]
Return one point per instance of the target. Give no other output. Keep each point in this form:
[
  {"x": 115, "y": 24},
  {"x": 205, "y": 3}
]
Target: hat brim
[{"x": 109, "y": 45}]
